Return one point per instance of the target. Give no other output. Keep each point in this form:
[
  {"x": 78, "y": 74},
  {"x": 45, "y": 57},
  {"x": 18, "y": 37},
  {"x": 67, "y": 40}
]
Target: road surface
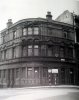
[{"x": 40, "y": 93}]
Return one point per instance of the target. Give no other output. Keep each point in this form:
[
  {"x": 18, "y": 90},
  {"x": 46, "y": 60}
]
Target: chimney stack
[
  {"x": 9, "y": 23},
  {"x": 49, "y": 16}
]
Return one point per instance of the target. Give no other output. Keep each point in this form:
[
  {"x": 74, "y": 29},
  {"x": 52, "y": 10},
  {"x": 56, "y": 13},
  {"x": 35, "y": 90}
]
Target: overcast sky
[{"x": 21, "y": 9}]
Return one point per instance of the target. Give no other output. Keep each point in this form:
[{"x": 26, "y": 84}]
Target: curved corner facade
[{"x": 37, "y": 52}]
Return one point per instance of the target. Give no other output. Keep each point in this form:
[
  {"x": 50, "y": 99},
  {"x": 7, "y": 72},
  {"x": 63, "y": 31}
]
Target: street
[{"x": 39, "y": 93}]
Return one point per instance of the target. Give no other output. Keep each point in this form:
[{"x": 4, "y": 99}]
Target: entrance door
[
  {"x": 53, "y": 76},
  {"x": 54, "y": 79}
]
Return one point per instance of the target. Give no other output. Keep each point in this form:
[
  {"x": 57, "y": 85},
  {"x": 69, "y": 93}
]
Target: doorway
[{"x": 53, "y": 76}]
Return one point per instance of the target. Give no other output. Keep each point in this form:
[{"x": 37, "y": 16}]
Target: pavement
[{"x": 66, "y": 92}]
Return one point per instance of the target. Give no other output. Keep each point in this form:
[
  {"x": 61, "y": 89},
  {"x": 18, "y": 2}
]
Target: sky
[{"x": 22, "y": 9}]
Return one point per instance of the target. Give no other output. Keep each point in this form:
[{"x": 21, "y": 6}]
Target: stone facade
[{"x": 37, "y": 51}]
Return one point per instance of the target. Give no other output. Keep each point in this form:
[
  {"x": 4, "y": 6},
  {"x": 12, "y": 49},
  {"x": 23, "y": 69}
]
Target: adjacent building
[{"x": 37, "y": 51}]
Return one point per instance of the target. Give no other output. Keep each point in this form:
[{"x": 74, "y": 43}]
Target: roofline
[{"x": 37, "y": 19}]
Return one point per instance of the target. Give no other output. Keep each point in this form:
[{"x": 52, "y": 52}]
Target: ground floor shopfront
[{"x": 36, "y": 74}]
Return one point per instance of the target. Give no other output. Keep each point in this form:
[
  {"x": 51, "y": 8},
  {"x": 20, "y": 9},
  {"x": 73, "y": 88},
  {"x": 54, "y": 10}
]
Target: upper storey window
[
  {"x": 36, "y": 51},
  {"x": 29, "y": 31},
  {"x": 24, "y": 31},
  {"x": 65, "y": 35},
  {"x": 36, "y": 31},
  {"x": 30, "y": 50},
  {"x": 15, "y": 34}
]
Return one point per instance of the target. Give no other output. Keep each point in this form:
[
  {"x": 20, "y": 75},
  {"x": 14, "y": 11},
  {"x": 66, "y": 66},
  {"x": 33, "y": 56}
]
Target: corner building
[{"x": 37, "y": 51}]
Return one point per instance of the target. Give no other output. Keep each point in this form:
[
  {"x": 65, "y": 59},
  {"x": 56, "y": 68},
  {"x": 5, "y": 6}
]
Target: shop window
[
  {"x": 45, "y": 72},
  {"x": 36, "y": 50},
  {"x": 29, "y": 72},
  {"x": 29, "y": 31},
  {"x": 17, "y": 72},
  {"x": 36, "y": 72},
  {"x": 30, "y": 53},
  {"x": 4, "y": 73},
  {"x": 71, "y": 76},
  {"x": 24, "y": 31},
  {"x": 36, "y": 31},
  {"x": 23, "y": 72}
]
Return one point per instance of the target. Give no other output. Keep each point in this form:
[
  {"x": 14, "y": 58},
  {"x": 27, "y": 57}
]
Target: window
[
  {"x": 16, "y": 52},
  {"x": 17, "y": 72},
  {"x": 15, "y": 34},
  {"x": 24, "y": 51},
  {"x": 29, "y": 31},
  {"x": 36, "y": 72},
  {"x": 45, "y": 72},
  {"x": 70, "y": 52},
  {"x": 62, "y": 52},
  {"x": 2, "y": 55},
  {"x": 36, "y": 31},
  {"x": 4, "y": 73},
  {"x": 0, "y": 73},
  {"x": 29, "y": 72},
  {"x": 36, "y": 51},
  {"x": 50, "y": 31},
  {"x": 24, "y": 31},
  {"x": 50, "y": 51},
  {"x": 30, "y": 50},
  {"x": 65, "y": 34},
  {"x": 23, "y": 72},
  {"x": 43, "y": 50},
  {"x": 7, "y": 54}
]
